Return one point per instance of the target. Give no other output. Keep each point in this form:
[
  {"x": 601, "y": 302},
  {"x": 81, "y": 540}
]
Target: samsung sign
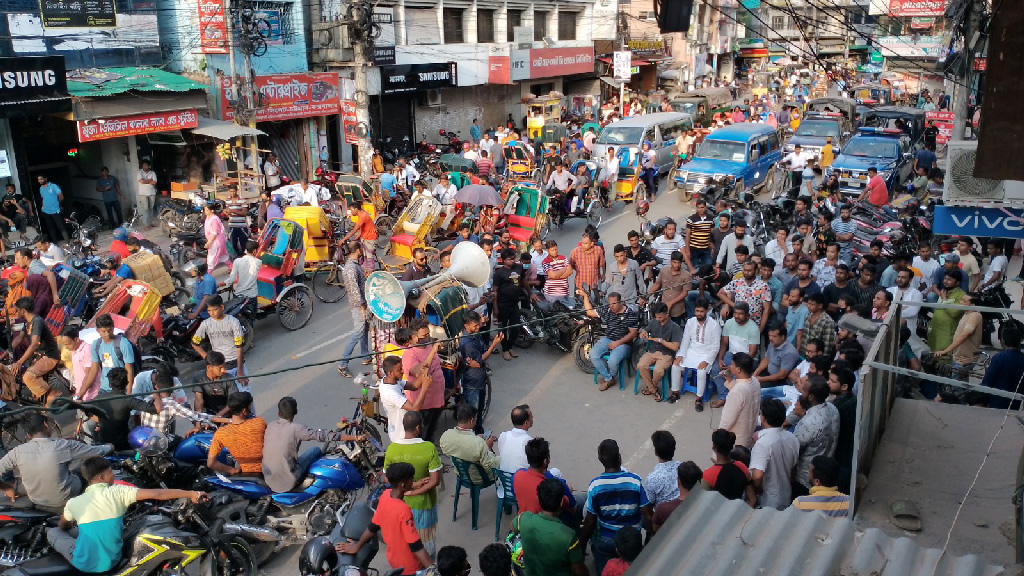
[
  {"x": 27, "y": 78},
  {"x": 984, "y": 222}
]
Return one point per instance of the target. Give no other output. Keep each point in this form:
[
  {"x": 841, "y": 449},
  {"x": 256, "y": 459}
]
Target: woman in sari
[
  {"x": 39, "y": 288},
  {"x": 216, "y": 239}
]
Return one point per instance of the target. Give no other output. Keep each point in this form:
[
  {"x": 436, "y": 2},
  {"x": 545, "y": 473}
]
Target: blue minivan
[{"x": 742, "y": 155}]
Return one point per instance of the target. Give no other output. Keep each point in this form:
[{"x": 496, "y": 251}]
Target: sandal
[
  {"x": 513, "y": 354},
  {"x": 673, "y": 397},
  {"x": 647, "y": 392},
  {"x": 657, "y": 395},
  {"x": 717, "y": 404},
  {"x": 698, "y": 405},
  {"x": 506, "y": 356},
  {"x": 904, "y": 514}
]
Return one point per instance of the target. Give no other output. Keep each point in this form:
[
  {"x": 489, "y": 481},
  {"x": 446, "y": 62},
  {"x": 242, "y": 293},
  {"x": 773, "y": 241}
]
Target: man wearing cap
[{"x": 727, "y": 254}]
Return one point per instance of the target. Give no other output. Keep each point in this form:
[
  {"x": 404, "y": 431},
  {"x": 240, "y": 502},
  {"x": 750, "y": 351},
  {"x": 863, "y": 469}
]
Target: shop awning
[
  {"x": 224, "y": 130},
  {"x": 93, "y": 83},
  {"x": 610, "y": 81}
]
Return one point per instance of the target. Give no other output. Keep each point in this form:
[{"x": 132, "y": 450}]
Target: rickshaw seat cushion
[
  {"x": 520, "y": 234},
  {"x": 269, "y": 282},
  {"x": 411, "y": 227},
  {"x": 403, "y": 239},
  {"x": 520, "y": 221},
  {"x": 272, "y": 260}
]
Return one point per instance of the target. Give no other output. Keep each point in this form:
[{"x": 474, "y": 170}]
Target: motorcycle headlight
[{"x": 86, "y": 242}]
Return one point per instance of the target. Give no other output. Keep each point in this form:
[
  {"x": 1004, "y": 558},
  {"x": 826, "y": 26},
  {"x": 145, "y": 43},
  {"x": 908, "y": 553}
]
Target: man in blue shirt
[
  {"x": 615, "y": 499},
  {"x": 388, "y": 181},
  {"x": 50, "y": 218},
  {"x": 475, "y": 353},
  {"x": 1006, "y": 370},
  {"x": 206, "y": 287},
  {"x": 925, "y": 158},
  {"x": 110, "y": 351},
  {"x": 474, "y": 131}
]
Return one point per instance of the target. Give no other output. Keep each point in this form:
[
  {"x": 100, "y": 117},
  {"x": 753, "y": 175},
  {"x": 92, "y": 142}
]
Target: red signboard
[
  {"x": 287, "y": 96},
  {"x": 499, "y": 70},
  {"x": 92, "y": 130},
  {"x": 213, "y": 29},
  {"x": 944, "y": 122},
  {"x": 980, "y": 64},
  {"x": 349, "y": 121},
  {"x": 917, "y": 7},
  {"x": 549, "y": 62}
]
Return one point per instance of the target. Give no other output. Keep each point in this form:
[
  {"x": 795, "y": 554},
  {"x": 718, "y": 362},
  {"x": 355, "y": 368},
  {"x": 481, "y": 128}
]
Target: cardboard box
[
  {"x": 179, "y": 195},
  {"x": 149, "y": 268},
  {"x": 189, "y": 186}
]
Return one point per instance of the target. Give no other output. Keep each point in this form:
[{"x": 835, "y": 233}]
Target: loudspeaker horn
[{"x": 470, "y": 264}]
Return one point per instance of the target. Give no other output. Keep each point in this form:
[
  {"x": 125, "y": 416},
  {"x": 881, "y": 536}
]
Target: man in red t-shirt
[
  {"x": 876, "y": 192},
  {"x": 367, "y": 234},
  {"x": 525, "y": 481},
  {"x": 393, "y": 519}
]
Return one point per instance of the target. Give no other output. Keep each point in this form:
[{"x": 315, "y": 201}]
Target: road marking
[{"x": 323, "y": 345}]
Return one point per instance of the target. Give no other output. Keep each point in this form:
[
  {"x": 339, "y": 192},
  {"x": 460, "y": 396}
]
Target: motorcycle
[
  {"x": 587, "y": 333},
  {"x": 331, "y": 485},
  {"x": 318, "y": 556},
  {"x": 994, "y": 296},
  {"x": 165, "y": 543},
  {"x": 83, "y": 235},
  {"x": 179, "y": 329},
  {"x": 555, "y": 323},
  {"x": 23, "y": 534},
  {"x": 186, "y": 216},
  {"x": 453, "y": 144}
]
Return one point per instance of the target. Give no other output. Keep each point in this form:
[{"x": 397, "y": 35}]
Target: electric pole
[
  {"x": 361, "y": 31},
  {"x": 972, "y": 34}
]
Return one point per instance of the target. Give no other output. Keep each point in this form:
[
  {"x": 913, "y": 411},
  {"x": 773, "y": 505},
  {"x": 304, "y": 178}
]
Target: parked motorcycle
[
  {"x": 318, "y": 556},
  {"x": 83, "y": 235},
  {"x": 452, "y": 143},
  {"x": 994, "y": 296},
  {"x": 23, "y": 534},
  {"x": 555, "y": 323}
]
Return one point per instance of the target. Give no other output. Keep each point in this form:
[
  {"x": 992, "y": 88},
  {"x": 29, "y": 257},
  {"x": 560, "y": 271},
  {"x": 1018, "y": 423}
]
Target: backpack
[{"x": 119, "y": 354}]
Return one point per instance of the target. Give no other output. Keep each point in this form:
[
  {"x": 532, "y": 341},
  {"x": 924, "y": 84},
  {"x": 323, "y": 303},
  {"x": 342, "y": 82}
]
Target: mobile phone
[{"x": 487, "y": 433}]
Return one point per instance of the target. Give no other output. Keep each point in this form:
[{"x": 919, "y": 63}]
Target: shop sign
[
  {"x": 78, "y": 13},
  {"x": 621, "y": 70},
  {"x": 499, "y": 70},
  {"x": 877, "y": 57},
  {"x": 922, "y": 23},
  {"x": 983, "y": 222},
  {"x": 944, "y": 122},
  {"x": 751, "y": 4},
  {"x": 92, "y": 130},
  {"x": 551, "y": 62},
  {"x": 980, "y": 63},
  {"x": 906, "y": 47},
  {"x": 416, "y": 77},
  {"x": 287, "y": 96},
  {"x": 349, "y": 121},
  {"x": 646, "y": 47},
  {"x": 899, "y": 8},
  {"x": 213, "y": 28},
  {"x": 383, "y": 55},
  {"x": 32, "y": 77}
]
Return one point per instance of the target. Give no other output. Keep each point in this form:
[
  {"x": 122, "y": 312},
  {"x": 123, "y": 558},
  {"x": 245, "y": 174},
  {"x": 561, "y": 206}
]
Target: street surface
[{"x": 568, "y": 409}]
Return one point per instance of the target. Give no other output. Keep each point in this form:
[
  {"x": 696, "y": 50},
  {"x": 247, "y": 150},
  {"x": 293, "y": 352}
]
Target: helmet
[
  {"x": 318, "y": 558},
  {"x": 647, "y": 143},
  {"x": 120, "y": 234},
  {"x": 111, "y": 260},
  {"x": 642, "y": 206}
]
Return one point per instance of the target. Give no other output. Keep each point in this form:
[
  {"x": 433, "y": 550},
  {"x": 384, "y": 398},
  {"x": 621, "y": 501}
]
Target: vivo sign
[{"x": 984, "y": 222}]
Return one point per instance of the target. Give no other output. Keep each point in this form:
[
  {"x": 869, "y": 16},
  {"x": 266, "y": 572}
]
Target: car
[
  {"x": 889, "y": 150},
  {"x": 814, "y": 130},
  {"x": 739, "y": 156}
]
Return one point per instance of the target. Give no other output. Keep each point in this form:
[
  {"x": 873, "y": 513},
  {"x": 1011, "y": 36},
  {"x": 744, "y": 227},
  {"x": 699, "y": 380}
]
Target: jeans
[
  {"x": 237, "y": 237},
  {"x": 360, "y": 336},
  {"x": 890, "y": 211},
  {"x": 931, "y": 297},
  {"x": 307, "y": 458},
  {"x": 649, "y": 176},
  {"x": 63, "y": 542},
  {"x": 114, "y": 213},
  {"x": 52, "y": 225},
  {"x": 476, "y": 397},
  {"x": 720, "y": 378},
  {"x": 603, "y": 549},
  {"x": 607, "y": 370},
  {"x": 700, "y": 257},
  {"x": 145, "y": 208}
]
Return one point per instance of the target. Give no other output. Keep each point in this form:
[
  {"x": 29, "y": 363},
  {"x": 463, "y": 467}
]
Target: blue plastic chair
[
  {"x": 666, "y": 379},
  {"x": 508, "y": 500},
  {"x": 463, "y": 478},
  {"x": 622, "y": 371}
]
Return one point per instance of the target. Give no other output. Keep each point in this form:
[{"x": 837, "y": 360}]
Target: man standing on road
[
  {"x": 422, "y": 455},
  {"x": 550, "y": 548},
  {"x": 660, "y": 484},
  {"x": 903, "y": 291},
  {"x": 110, "y": 351},
  {"x": 423, "y": 356},
  {"x": 738, "y": 237},
  {"x": 843, "y": 229},
  {"x": 743, "y": 405},
  {"x": 49, "y": 218},
  {"x": 244, "y": 272},
  {"x": 556, "y": 271},
  {"x": 773, "y": 457},
  {"x": 365, "y": 231},
  {"x": 663, "y": 337},
  {"x": 587, "y": 260},
  {"x": 354, "y": 279},
  {"x": 146, "y": 193},
  {"x": 673, "y": 284},
  {"x": 392, "y": 389},
  {"x": 751, "y": 290},
  {"x": 797, "y": 162},
  {"x": 508, "y": 281},
  {"x": 621, "y": 322},
  {"x": 110, "y": 189},
  {"x": 698, "y": 236},
  {"x": 688, "y": 475},
  {"x": 475, "y": 354}
]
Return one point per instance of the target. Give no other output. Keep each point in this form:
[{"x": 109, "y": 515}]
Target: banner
[
  {"x": 78, "y": 13},
  {"x": 416, "y": 77},
  {"x": 979, "y": 221},
  {"x": 622, "y": 60},
  {"x": 499, "y": 71},
  {"x": 213, "y": 29},
  {"x": 944, "y": 122},
  {"x": 906, "y": 47},
  {"x": 349, "y": 121},
  {"x": 551, "y": 62},
  {"x": 922, "y": 23},
  {"x": 287, "y": 96},
  {"x": 92, "y": 130},
  {"x": 917, "y": 7}
]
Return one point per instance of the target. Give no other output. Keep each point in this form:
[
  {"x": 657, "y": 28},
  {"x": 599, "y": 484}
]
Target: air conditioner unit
[
  {"x": 962, "y": 188},
  {"x": 330, "y": 35},
  {"x": 433, "y": 98}
]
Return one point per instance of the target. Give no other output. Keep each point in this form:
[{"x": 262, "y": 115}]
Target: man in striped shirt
[
  {"x": 238, "y": 222},
  {"x": 843, "y": 227},
  {"x": 556, "y": 270},
  {"x": 825, "y": 495},
  {"x": 698, "y": 236},
  {"x": 664, "y": 245},
  {"x": 615, "y": 499}
]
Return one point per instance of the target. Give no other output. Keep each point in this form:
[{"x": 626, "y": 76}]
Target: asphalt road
[{"x": 568, "y": 409}]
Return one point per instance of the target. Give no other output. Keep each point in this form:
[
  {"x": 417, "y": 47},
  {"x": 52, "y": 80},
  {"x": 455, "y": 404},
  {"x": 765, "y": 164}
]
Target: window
[
  {"x": 764, "y": 145},
  {"x": 540, "y": 25},
  {"x": 648, "y": 15},
  {"x": 515, "y": 18},
  {"x": 753, "y": 152},
  {"x": 671, "y": 130},
  {"x": 453, "y": 26},
  {"x": 566, "y": 25},
  {"x": 485, "y": 26},
  {"x": 542, "y": 89},
  {"x": 778, "y": 23},
  {"x": 773, "y": 141},
  {"x": 421, "y": 26}
]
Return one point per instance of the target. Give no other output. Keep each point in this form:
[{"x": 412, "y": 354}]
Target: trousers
[
  {"x": 145, "y": 207},
  {"x": 360, "y": 336},
  {"x": 608, "y": 369}
]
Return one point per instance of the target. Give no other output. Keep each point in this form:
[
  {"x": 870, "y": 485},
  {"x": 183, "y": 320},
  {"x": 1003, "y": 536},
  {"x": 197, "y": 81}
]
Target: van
[
  {"x": 660, "y": 129},
  {"x": 739, "y": 156},
  {"x": 713, "y": 99}
]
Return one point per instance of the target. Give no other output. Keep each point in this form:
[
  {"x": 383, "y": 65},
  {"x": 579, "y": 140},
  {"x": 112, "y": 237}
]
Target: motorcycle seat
[{"x": 57, "y": 565}]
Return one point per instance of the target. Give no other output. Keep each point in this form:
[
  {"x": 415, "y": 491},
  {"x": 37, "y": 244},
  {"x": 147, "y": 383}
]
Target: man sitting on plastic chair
[
  {"x": 621, "y": 322},
  {"x": 663, "y": 337},
  {"x": 698, "y": 352}
]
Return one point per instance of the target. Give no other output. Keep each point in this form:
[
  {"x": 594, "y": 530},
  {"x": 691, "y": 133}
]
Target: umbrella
[{"x": 479, "y": 195}]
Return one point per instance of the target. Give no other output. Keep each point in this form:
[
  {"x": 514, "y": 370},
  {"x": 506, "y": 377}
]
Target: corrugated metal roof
[
  {"x": 113, "y": 81},
  {"x": 709, "y": 535}
]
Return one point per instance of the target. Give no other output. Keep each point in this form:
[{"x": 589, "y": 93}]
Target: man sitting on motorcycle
[
  {"x": 41, "y": 349},
  {"x": 577, "y": 201},
  {"x": 98, "y": 514},
  {"x": 561, "y": 180},
  {"x": 118, "y": 244},
  {"x": 116, "y": 271},
  {"x": 243, "y": 439},
  {"x": 43, "y": 462}
]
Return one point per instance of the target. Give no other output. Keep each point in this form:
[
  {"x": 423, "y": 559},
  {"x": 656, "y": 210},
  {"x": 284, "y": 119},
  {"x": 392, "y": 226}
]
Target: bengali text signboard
[
  {"x": 288, "y": 96},
  {"x": 78, "y": 13},
  {"x": 900, "y": 8},
  {"x": 213, "y": 29},
  {"x": 349, "y": 121},
  {"x": 92, "y": 130}
]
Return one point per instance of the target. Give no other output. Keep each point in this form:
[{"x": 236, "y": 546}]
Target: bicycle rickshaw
[
  {"x": 281, "y": 251},
  {"x": 519, "y": 165},
  {"x": 317, "y": 234},
  {"x": 412, "y": 231},
  {"x": 628, "y": 184},
  {"x": 355, "y": 190},
  {"x": 459, "y": 169},
  {"x": 527, "y": 214}
]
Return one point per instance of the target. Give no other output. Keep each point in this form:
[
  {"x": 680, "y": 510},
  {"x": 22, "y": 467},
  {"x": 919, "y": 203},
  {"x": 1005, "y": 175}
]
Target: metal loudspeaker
[{"x": 470, "y": 264}]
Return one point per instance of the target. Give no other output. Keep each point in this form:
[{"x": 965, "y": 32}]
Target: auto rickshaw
[
  {"x": 277, "y": 285},
  {"x": 872, "y": 94},
  {"x": 355, "y": 190},
  {"x": 553, "y": 133},
  {"x": 411, "y": 232},
  {"x": 540, "y": 111},
  {"x": 527, "y": 210},
  {"x": 519, "y": 165},
  {"x": 628, "y": 185},
  {"x": 459, "y": 169},
  {"x": 761, "y": 83}
]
